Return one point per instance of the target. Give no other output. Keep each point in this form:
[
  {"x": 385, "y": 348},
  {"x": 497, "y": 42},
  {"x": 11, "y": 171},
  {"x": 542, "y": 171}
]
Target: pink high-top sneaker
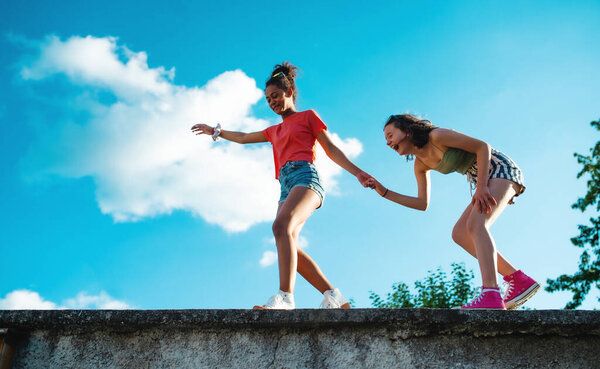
[
  {"x": 489, "y": 299},
  {"x": 518, "y": 289}
]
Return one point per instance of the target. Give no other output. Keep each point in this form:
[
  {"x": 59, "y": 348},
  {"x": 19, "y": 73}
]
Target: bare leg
[
  {"x": 307, "y": 267},
  {"x": 472, "y": 233},
  {"x": 463, "y": 239},
  {"x": 299, "y": 205},
  {"x": 312, "y": 273}
]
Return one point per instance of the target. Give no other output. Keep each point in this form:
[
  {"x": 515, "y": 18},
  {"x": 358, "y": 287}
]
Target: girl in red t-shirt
[{"x": 293, "y": 143}]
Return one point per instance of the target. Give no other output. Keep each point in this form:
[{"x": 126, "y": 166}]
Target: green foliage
[
  {"x": 400, "y": 297},
  {"x": 352, "y": 303},
  {"x": 588, "y": 275},
  {"x": 433, "y": 291}
]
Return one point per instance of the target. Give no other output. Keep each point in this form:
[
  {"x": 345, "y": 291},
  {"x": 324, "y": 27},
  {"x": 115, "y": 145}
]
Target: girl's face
[
  {"x": 279, "y": 100},
  {"x": 396, "y": 139}
]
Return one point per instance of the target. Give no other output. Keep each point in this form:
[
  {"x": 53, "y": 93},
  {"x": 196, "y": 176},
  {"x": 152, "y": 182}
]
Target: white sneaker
[
  {"x": 333, "y": 299},
  {"x": 281, "y": 301}
]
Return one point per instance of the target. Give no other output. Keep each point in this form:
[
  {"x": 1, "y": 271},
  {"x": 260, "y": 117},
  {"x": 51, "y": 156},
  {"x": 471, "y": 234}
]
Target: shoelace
[
  {"x": 327, "y": 302},
  {"x": 507, "y": 288},
  {"x": 479, "y": 291},
  {"x": 331, "y": 301}
]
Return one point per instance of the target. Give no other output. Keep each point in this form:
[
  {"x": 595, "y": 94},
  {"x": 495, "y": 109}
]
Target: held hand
[
  {"x": 378, "y": 187},
  {"x": 200, "y": 129},
  {"x": 483, "y": 200},
  {"x": 364, "y": 178}
]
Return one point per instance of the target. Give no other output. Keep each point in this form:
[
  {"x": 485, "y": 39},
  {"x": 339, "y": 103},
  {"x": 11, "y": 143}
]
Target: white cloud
[
  {"x": 302, "y": 242},
  {"x": 139, "y": 149},
  {"x": 25, "y": 299},
  {"x": 31, "y": 300},
  {"x": 97, "y": 61},
  {"x": 102, "y": 301},
  {"x": 328, "y": 170},
  {"x": 268, "y": 258}
]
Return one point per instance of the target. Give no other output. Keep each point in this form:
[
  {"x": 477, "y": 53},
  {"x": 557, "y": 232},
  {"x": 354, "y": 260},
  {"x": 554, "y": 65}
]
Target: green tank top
[{"x": 455, "y": 160}]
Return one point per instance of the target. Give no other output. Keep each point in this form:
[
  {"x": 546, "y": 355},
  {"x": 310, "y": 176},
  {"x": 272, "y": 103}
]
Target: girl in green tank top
[{"x": 447, "y": 151}]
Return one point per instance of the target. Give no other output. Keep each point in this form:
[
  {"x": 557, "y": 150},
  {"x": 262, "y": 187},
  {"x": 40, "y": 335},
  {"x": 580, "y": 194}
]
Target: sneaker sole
[
  {"x": 462, "y": 308},
  {"x": 344, "y": 306},
  {"x": 522, "y": 298},
  {"x": 258, "y": 307}
]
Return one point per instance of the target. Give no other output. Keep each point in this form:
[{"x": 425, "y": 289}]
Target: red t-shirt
[{"x": 294, "y": 138}]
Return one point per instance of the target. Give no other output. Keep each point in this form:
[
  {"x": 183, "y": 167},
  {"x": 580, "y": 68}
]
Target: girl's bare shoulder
[{"x": 440, "y": 132}]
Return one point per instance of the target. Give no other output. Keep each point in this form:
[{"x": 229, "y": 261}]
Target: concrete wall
[{"x": 358, "y": 338}]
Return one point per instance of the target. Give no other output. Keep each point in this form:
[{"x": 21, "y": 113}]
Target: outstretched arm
[
  {"x": 239, "y": 137},
  {"x": 420, "y": 202},
  {"x": 340, "y": 158}
]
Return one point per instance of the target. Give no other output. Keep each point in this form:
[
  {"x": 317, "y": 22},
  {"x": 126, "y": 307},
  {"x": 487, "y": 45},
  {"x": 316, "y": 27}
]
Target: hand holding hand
[
  {"x": 200, "y": 128},
  {"x": 483, "y": 200},
  {"x": 364, "y": 178},
  {"x": 378, "y": 187}
]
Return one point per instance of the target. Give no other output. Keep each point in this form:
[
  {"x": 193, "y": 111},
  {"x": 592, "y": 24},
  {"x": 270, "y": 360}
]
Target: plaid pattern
[{"x": 501, "y": 167}]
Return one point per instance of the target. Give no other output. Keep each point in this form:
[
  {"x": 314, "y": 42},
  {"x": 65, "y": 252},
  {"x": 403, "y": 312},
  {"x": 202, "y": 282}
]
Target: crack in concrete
[{"x": 279, "y": 337}]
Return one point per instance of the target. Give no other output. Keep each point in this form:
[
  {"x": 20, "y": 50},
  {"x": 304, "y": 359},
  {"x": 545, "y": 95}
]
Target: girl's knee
[
  {"x": 458, "y": 234},
  {"x": 281, "y": 227},
  {"x": 475, "y": 222}
]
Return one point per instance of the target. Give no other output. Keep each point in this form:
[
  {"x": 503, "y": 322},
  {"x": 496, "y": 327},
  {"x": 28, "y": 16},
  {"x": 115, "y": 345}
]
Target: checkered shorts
[{"x": 501, "y": 166}]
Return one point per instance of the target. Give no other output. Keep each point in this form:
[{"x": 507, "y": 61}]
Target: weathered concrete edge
[{"x": 405, "y": 322}]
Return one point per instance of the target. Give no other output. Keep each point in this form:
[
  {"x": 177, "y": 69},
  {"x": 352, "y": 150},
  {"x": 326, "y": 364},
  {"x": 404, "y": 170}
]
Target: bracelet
[
  {"x": 385, "y": 193},
  {"x": 217, "y": 132}
]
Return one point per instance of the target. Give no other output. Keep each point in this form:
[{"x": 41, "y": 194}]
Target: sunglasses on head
[{"x": 279, "y": 74}]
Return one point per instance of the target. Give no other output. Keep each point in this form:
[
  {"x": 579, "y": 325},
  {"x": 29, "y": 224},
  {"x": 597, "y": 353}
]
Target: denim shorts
[{"x": 299, "y": 173}]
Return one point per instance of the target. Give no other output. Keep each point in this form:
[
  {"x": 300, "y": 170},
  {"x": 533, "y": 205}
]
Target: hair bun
[
  {"x": 283, "y": 76},
  {"x": 286, "y": 68}
]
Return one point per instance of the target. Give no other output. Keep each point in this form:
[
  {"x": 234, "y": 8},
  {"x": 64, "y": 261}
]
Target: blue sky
[{"x": 109, "y": 201}]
